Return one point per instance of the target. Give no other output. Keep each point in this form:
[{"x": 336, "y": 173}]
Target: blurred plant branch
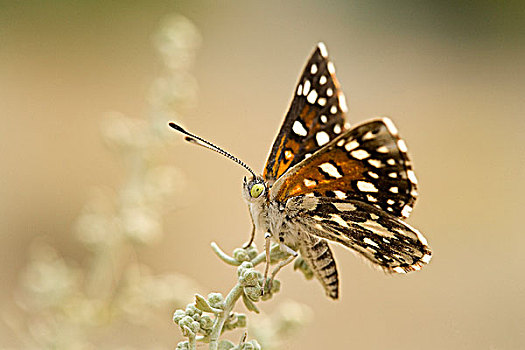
[
  {"x": 67, "y": 304},
  {"x": 196, "y": 324},
  {"x": 64, "y": 304}
]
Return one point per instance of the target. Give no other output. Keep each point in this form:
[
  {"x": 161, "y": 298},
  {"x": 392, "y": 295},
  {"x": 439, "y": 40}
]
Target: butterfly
[{"x": 325, "y": 181}]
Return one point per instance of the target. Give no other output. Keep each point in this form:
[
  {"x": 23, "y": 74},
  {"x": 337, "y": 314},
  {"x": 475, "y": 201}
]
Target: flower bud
[
  {"x": 249, "y": 278},
  {"x": 186, "y": 322},
  {"x": 191, "y": 310},
  {"x": 216, "y": 300},
  {"x": 252, "y": 251},
  {"x": 240, "y": 255},
  {"x": 178, "y": 315},
  {"x": 253, "y": 293},
  {"x": 206, "y": 322},
  {"x": 195, "y": 326},
  {"x": 241, "y": 320}
]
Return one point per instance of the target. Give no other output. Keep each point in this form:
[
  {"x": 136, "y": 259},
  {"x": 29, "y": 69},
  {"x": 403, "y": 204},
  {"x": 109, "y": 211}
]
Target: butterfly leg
[
  {"x": 267, "y": 237},
  {"x": 283, "y": 263},
  {"x": 251, "y": 237}
]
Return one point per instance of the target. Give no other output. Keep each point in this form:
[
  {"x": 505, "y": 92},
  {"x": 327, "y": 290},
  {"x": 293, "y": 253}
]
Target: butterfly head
[{"x": 254, "y": 189}]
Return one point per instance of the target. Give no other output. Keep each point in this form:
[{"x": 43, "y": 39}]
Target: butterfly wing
[
  {"x": 382, "y": 238},
  {"x": 367, "y": 163},
  {"x": 315, "y": 116}
]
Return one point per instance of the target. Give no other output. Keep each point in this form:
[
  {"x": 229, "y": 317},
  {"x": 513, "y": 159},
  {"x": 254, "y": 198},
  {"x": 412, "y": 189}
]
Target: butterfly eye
[{"x": 256, "y": 190}]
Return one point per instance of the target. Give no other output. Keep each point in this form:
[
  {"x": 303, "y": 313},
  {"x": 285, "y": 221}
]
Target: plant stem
[
  {"x": 192, "y": 342},
  {"x": 229, "y": 303},
  {"x": 223, "y": 256}
]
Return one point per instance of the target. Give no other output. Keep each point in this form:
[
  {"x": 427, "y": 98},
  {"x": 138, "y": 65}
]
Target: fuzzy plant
[
  {"x": 65, "y": 303},
  {"x": 206, "y": 319}
]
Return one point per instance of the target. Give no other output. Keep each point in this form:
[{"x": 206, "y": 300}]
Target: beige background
[{"x": 451, "y": 77}]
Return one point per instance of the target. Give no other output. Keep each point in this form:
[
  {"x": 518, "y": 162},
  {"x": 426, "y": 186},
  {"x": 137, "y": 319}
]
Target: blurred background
[{"x": 450, "y": 74}]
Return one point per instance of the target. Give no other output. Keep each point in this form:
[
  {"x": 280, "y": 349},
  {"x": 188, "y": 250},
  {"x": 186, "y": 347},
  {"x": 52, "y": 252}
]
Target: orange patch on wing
[
  {"x": 283, "y": 164},
  {"x": 349, "y": 168},
  {"x": 307, "y": 116}
]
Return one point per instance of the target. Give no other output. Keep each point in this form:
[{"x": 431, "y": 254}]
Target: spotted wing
[
  {"x": 382, "y": 238},
  {"x": 367, "y": 163},
  {"x": 315, "y": 116}
]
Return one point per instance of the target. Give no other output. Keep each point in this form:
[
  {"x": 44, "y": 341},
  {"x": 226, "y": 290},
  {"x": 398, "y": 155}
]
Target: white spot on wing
[
  {"x": 299, "y": 129},
  {"x": 341, "y": 142},
  {"x": 369, "y": 135},
  {"x": 330, "y": 67},
  {"x": 333, "y": 109},
  {"x": 399, "y": 269},
  {"x": 344, "y": 206},
  {"x": 374, "y": 175},
  {"x": 300, "y": 89},
  {"x": 309, "y": 183},
  {"x": 339, "y": 220},
  {"x": 323, "y": 50},
  {"x": 412, "y": 176},
  {"x": 390, "y": 126},
  {"x": 312, "y": 96},
  {"x": 382, "y": 149},
  {"x": 391, "y": 161},
  {"x": 360, "y": 154},
  {"x": 426, "y": 258},
  {"x": 322, "y": 138},
  {"x": 321, "y": 101},
  {"x": 306, "y": 89},
  {"x": 351, "y": 145},
  {"x": 394, "y": 189},
  {"x": 375, "y": 163},
  {"x": 322, "y": 80},
  {"x": 366, "y": 186},
  {"x": 313, "y": 68},
  {"x": 371, "y": 198},
  {"x": 402, "y": 145},
  {"x": 337, "y": 128},
  {"x": 407, "y": 209},
  {"x": 340, "y": 195},
  {"x": 323, "y": 118},
  {"x": 393, "y": 175},
  {"x": 331, "y": 170},
  {"x": 342, "y": 103},
  {"x": 376, "y": 228},
  {"x": 369, "y": 241},
  {"x": 329, "y": 92}
]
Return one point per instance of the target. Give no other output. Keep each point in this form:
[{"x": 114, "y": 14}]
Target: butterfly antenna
[{"x": 206, "y": 144}]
